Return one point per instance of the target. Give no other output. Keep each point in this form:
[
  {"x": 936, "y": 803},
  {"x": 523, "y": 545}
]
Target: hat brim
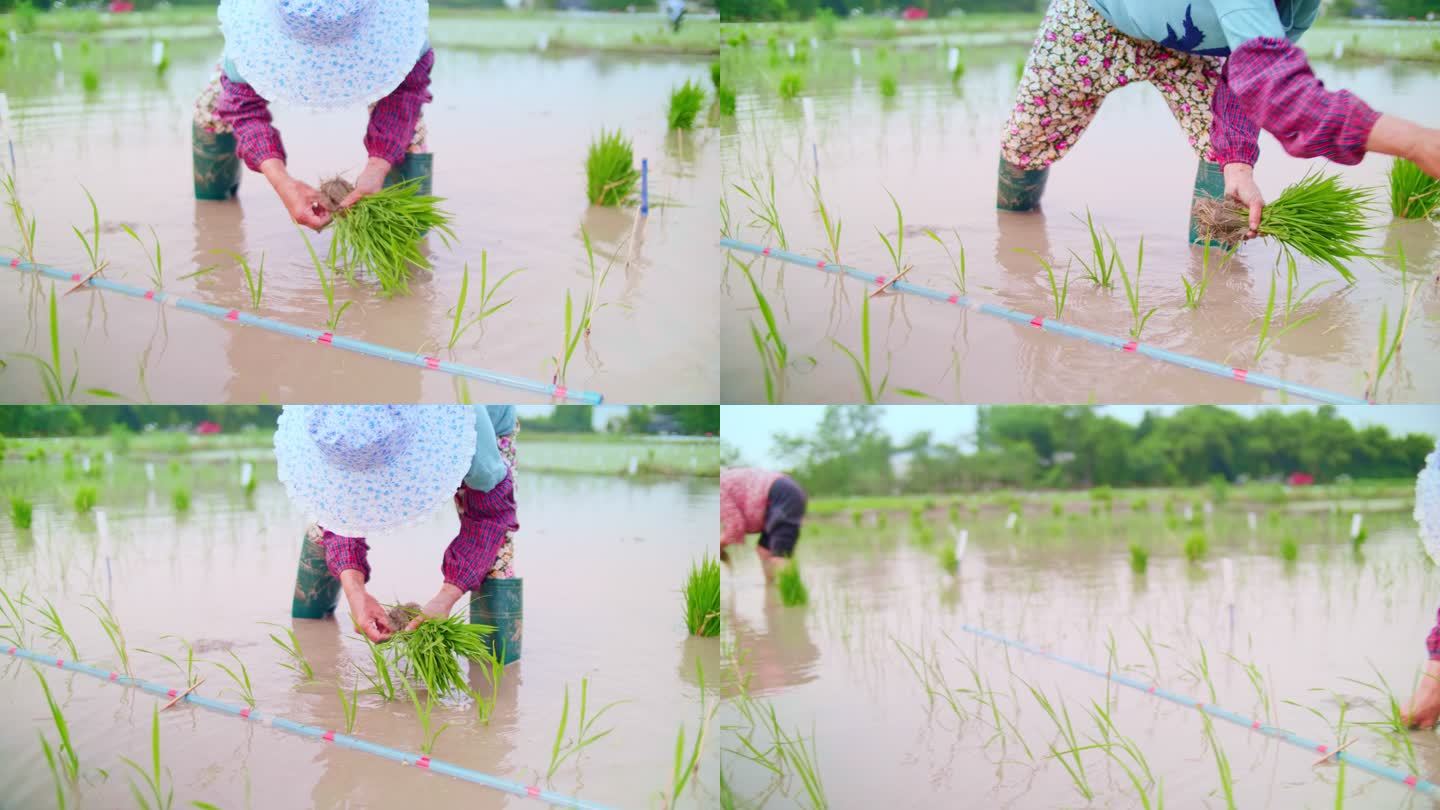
[
  {"x": 354, "y": 503},
  {"x": 360, "y": 70}
]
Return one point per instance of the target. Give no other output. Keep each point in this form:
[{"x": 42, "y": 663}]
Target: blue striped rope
[
  {"x": 1052, "y": 325},
  {"x": 1369, "y": 766},
  {"x": 313, "y": 732},
  {"x": 163, "y": 298}
]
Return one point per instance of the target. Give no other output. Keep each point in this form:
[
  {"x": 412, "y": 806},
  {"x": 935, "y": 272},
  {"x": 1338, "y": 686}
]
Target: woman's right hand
[
  {"x": 1427, "y": 153},
  {"x": 300, "y": 199},
  {"x": 365, "y": 610}
]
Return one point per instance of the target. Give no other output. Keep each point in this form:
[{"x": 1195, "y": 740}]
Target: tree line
[{"x": 849, "y": 453}]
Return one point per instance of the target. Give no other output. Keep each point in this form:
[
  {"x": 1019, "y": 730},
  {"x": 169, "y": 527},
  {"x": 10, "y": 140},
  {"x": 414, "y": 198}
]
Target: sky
[{"x": 749, "y": 428}]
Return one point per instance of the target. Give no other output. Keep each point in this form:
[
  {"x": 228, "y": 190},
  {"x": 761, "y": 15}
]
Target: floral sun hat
[
  {"x": 1427, "y": 504},
  {"x": 324, "y": 53},
  {"x": 362, "y": 469}
]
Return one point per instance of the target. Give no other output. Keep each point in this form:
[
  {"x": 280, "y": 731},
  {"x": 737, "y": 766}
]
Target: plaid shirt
[
  {"x": 744, "y": 496},
  {"x": 1432, "y": 641},
  {"x": 1268, "y": 83},
  {"x": 392, "y": 119},
  {"x": 485, "y": 519}
]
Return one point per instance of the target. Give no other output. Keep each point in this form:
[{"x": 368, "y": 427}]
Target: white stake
[
  {"x": 1357, "y": 521},
  {"x": 790, "y": 48},
  {"x": 157, "y": 53},
  {"x": 1011, "y": 520},
  {"x": 247, "y": 472},
  {"x": 85, "y": 464},
  {"x": 855, "y": 56},
  {"x": 634, "y": 465},
  {"x": 962, "y": 540},
  {"x": 543, "y": 41},
  {"x": 952, "y": 60},
  {"x": 1252, "y": 521},
  {"x": 59, "y": 51},
  {"x": 149, "y": 472}
]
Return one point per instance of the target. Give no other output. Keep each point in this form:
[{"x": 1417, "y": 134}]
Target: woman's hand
[
  {"x": 368, "y": 615},
  {"x": 302, "y": 201},
  {"x": 439, "y": 606},
  {"x": 1401, "y": 138},
  {"x": 1426, "y": 153},
  {"x": 371, "y": 180},
  {"x": 1240, "y": 186},
  {"x": 1424, "y": 708}
]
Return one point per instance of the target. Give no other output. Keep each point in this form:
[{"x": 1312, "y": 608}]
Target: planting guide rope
[
  {"x": 313, "y": 732},
  {"x": 431, "y": 362},
  {"x": 1373, "y": 768},
  {"x": 1052, "y": 325}
]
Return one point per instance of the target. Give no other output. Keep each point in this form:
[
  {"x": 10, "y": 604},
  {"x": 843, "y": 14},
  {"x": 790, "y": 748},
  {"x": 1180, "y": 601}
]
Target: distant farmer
[
  {"x": 321, "y": 55},
  {"x": 676, "y": 10},
  {"x": 361, "y": 469},
  {"x": 770, "y": 504},
  {"x": 1226, "y": 68},
  {"x": 1424, "y": 709}
]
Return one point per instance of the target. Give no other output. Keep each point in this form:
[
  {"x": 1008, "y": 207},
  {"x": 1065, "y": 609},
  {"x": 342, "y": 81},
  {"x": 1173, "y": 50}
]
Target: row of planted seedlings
[
  {"x": 754, "y": 734},
  {"x": 34, "y": 64},
  {"x": 1317, "y": 218},
  {"x": 959, "y": 680}
]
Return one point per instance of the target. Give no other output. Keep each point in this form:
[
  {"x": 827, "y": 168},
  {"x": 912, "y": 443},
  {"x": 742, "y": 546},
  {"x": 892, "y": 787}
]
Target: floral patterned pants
[{"x": 1077, "y": 59}]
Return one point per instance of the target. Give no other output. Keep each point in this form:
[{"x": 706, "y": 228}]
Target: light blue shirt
[
  {"x": 487, "y": 468},
  {"x": 1209, "y": 27}
]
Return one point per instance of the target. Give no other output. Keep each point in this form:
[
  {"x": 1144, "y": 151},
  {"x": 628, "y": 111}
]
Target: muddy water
[
  {"x": 1307, "y": 626},
  {"x": 935, "y": 148},
  {"x": 509, "y": 133},
  {"x": 602, "y": 561}
]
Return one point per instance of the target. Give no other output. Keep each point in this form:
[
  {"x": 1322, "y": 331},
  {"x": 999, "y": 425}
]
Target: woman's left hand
[
  {"x": 439, "y": 606},
  {"x": 371, "y": 180},
  {"x": 1240, "y": 186}
]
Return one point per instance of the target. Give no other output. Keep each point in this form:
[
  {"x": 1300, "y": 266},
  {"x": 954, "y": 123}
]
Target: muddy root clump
[
  {"x": 1221, "y": 220},
  {"x": 400, "y": 615},
  {"x": 334, "y": 191}
]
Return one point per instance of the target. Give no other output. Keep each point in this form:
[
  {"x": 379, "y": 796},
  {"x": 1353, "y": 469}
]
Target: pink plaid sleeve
[
  {"x": 346, "y": 552},
  {"x": 393, "y": 120},
  {"x": 1234, "y": 138},
  {"x": 256, "y": 139},
  {"x": 1432, "y": 642},
  {"x": 486, "y": 519},
  {"x": 1275, "y": 87}
]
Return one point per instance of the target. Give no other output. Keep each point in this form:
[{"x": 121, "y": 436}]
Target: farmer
[
  {"x": 361, "y": 469},
  {"x": 1424, "y": 708},
  {"x": 1226, "y": 68},
  {"x": 675, "y": 9},
  {"x": 322, "y": 55},
  {"x": 771, "y": 504}
]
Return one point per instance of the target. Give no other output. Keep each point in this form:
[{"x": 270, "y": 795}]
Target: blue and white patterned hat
[
  {"x": 324, "y": 53},
  {"x": 362, "y": 469},
  {"x": 1427, "y": 504}
]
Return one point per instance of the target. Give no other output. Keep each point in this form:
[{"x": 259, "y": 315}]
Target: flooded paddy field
[
  {"x": 846, "y": 125},
  {"x": 509, "y": 129},
  {"x": 881, "y": 696},
  {"x": 186, "y": 557}
]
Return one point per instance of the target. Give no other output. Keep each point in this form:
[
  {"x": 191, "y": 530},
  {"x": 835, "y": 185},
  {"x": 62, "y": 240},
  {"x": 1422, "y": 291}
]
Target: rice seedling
[
  {"x": 157, "y": 261},
  {"x": 686, "y": 766},
  {"x": 90, "y": 80},
  {"x": 1392, "y": 723},
  {"x": 1257, "y": 682},
  {"x": 327, "y": 283},
  {"x": 801, "y": 760},
  {"x": 1222, "y": 763},
  {"x": 1289, "y": 549},
  {"x": 863, "y": 368},
  {"x": 792, "y": 587},
  {"x": 52, "y": 374},
  {"x": 111, "y": 626},
  {"x": 685, "y": 103},
  {"x": 1195, "y": 292},
  {"x": 459, "y": 324},
  {"x": 1139, "y": 558},
  {"x": 92, "y": 244},
  {"x": 564, "y": 748},
  {"x": 241, "y": 678},
  {"x": 1413, "y": 193},
  {"x": 957, "y": 266},
  {"x": 159, "y": 798},
  {"x": 85, "y": 498},
  {"x": 348, "y": 705},
  {"x": 833, "y": 225},
  {"x": 53, "y": 628},
  {"x": 1100, "y": 270},
  {"x": 764, "y": 208},
  {"x": 180, "y": 499},
  {"x": 1196, "y": 547},
  {"x": 889, "y": 87},
  {"x": 380, "y": 680},
  {"x": 433, "y": 648},
  {"x": 22, "y": 512},
  {"x": 254, "y": 277},
  {"x": 702, "y": 598},
  {"x": 725, "y": 98},
  {"x": 24, "y": 224},
  {"x": 380, "y": 233},
  {"x": 792, "y": 84},
  {"x": 55, "y": 777},
  {"x": 485, "y": 705},
  {"x": 610, "y": 175},
  {"x": 1059, "y": 291},
  {"x": 295, "y": 656},
  {"x": 1359, "y": 538},
  {"x": 69, "y": 760},
  {"x": 773, "y": 351},
  {"x": 1132, "y": 291},
  {"x": 1387, "y": 347},
  {"x": 948, "y": 559},
  {"x": 581, "y": 325},
  {"x": 1316, "y": 217},
  {"x": 1068, "y": 757}
]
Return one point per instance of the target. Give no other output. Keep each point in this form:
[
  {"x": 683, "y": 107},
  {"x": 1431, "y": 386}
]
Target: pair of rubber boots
[
  {"x": 498, "y": 603},
  {"x": 1020, "y": 189},
  {"x": 217, "y": 166}
]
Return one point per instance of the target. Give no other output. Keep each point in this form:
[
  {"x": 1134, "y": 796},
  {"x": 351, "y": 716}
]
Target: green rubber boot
[
  {"x": 316, "y": 591},
  {"x": 1209, "y": 185},
  {"x": 217, "y": 167},
  {"x": 1019, "y": 189},
  {"x": 499, "y": 603},
  {"x": 420, "y": 165}
]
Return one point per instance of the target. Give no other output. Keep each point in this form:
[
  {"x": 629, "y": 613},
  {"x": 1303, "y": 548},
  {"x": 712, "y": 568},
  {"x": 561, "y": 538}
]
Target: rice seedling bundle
[
  {"x": 685, "y": 103},
  {"x": 381, "y": 232},
  {"x": 1413, "y": 193},
  {"x": 792, "y": 587},
  {"x": 702, "y": 598},
  {"x": 610, "y": 176},
  {"x": 1317, "y": 217},
  {"x": 433, "y": 648}
]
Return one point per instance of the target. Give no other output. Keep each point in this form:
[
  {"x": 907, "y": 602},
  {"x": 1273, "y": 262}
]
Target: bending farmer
[
  {"x": 1424, "y": 708},
  {"x": 361, "y": 469},
  {"x": 323, "y": 55},
  {"x": 763, "y": 502},
  {"x": 1227, "y": 69}
]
